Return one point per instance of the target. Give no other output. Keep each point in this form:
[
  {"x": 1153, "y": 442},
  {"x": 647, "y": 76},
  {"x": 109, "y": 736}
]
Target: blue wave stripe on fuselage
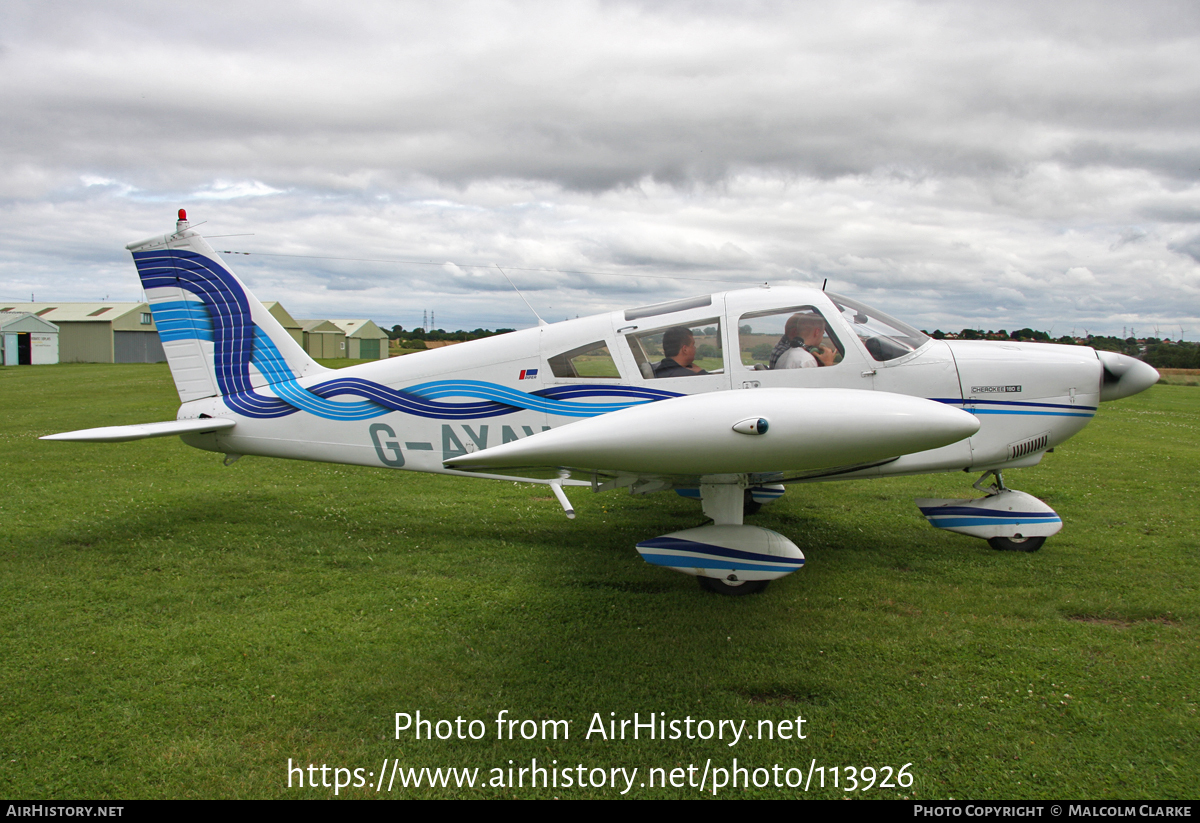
[
  {"x": 498, "y": 400},
  {"x": 601, "y": 390},
  {"x": 407, "y": 402},
  {"x": 271, "y": 364},
  {"x": 298, "y": 396},
  {"x": 519, "y": 399}
]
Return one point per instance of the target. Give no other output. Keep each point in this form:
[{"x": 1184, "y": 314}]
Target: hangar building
[
  {"x": 364, "y": 340},
  {"x": 100, "y": 332}
]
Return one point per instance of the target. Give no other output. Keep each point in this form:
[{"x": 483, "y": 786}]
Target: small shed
[{"x": 27, "y": 340}]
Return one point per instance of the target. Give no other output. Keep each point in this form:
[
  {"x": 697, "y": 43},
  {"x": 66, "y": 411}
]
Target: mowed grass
[
  {"x": 176, "y": 628},
  {"x": 1180, "y": 377}
]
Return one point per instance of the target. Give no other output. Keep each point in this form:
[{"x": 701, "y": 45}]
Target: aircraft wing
[
  {"x": 736, "y": 432},
  {"x": 140, "y": 431}
]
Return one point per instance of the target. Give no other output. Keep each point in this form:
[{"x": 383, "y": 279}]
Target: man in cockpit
[
  {"x": 803, "y": 334},
  {"x": 679, "y": 346}
]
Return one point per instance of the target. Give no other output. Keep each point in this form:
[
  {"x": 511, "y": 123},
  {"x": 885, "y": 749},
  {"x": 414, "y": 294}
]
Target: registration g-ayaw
[{"x": 728, "y": 398}]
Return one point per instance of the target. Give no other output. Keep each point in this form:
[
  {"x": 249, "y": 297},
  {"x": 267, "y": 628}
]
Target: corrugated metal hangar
[
  {"x": 125, "y": 333},
  {"x": 100, "y": 332},
  {"x": 364, "y": 340}
]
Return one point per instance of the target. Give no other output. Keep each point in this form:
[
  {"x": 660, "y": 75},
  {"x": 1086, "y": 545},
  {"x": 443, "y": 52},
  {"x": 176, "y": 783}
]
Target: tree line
[
  {"x": 1159, "y": 353},
  {"x": 419, "y": 336}
]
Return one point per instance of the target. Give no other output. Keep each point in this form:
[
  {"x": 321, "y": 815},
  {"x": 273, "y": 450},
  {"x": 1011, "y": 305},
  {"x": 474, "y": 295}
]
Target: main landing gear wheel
[
  {"x": 1016, "y": 544},
  {"x": 739, "y": 589}
]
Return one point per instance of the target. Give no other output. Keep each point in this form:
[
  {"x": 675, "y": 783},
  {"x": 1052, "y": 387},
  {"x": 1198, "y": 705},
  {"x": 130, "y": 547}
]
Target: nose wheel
[
  {"x": 1016, "y": 544},
  {"x": 732, "y": 589}
]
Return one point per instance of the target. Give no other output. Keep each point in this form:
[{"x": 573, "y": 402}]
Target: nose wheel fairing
[{"x": 1006, "y": 518}]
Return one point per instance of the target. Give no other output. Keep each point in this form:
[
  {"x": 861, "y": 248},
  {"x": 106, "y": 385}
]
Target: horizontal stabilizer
[{"x": 140, "y": 431}]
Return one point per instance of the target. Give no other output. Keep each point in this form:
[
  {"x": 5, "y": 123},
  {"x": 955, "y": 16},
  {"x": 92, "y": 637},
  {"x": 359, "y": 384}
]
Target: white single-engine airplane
[{"x": 725, "y": 397}]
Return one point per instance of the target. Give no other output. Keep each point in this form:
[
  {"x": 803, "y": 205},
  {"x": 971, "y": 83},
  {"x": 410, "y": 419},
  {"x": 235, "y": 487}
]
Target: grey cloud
[
  {"x": 1172, "y": 214},
  {"x": 933, "y": 156},
  {"x": 592, "y": 97},
  {"x": 1190, "y": 247}
]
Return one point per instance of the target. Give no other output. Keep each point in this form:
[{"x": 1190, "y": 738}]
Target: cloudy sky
[{"x": 985, "y": 164}]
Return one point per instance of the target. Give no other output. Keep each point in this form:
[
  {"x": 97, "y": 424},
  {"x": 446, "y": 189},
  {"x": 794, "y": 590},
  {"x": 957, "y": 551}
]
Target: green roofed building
[{"x": 364, "y": 340}]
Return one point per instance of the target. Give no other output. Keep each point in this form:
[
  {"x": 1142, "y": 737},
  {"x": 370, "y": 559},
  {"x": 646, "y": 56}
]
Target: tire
[
  {"x": 1016, "y": 544},
  {"x": 717, "y": 586}
]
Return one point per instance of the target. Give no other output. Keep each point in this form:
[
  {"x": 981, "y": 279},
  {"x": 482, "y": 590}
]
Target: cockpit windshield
[{"x": 886, "y": 338}]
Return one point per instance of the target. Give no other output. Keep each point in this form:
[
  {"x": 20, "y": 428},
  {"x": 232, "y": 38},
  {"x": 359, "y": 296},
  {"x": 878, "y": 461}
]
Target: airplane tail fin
[{"x": 220, "y": 341}]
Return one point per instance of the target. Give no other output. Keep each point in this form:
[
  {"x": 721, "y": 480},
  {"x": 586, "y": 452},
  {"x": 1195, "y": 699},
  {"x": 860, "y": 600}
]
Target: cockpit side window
[
  {"x": 766, "y": 339},
  {"x": 679, "y": 351},
  {"x": 886, "y": 338},
  {"x": 593, "y": 361}
]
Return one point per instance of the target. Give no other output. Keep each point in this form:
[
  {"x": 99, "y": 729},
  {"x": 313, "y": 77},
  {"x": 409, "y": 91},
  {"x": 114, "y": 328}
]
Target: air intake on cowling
[{"x": 1033, "y": 444}]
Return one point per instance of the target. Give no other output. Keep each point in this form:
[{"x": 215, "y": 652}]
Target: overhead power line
[{"x": 482, "y": 266}]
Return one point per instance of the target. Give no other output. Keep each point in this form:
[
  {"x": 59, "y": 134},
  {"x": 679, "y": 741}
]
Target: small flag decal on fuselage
[{"x": 528, "y": 374}]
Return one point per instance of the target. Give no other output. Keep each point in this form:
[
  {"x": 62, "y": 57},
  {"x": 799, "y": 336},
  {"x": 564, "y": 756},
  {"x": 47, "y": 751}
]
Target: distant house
[
  {"x": 99, "y": 332},
  {"x": 27, "y": 340},
  {"x": 364, "y": 340}
]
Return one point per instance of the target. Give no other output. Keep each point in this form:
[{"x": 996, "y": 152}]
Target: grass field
[
  {"x": 1180, "y": 377},
  {"x": 175, "y": 628}
]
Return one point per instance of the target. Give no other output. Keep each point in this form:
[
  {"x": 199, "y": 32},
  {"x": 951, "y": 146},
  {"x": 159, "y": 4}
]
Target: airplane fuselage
[{"x": 1027, "y": 397}]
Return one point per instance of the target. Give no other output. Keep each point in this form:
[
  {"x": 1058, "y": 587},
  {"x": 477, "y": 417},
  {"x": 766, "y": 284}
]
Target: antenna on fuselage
[
  {"x": 541, "y": 322},
  {"x": 824, "y": 284}
]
